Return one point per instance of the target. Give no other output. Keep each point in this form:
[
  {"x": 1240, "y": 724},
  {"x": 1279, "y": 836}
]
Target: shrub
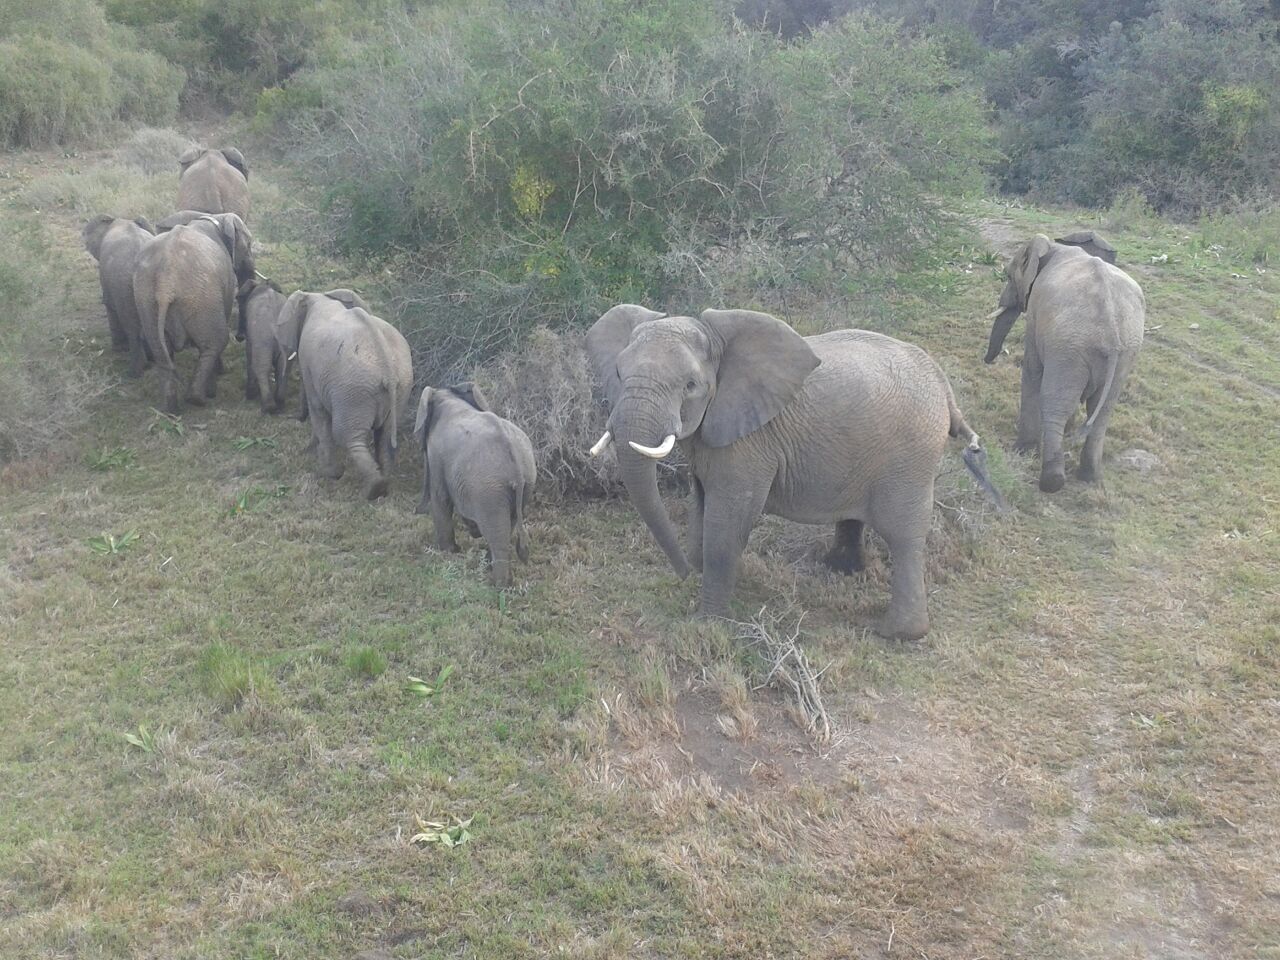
[
  {"x": 232, "y": 677},
  {"x": 534, "y": 183},
  {"x": 66, "y": 74},
  {"x": 153, "y": 151}
]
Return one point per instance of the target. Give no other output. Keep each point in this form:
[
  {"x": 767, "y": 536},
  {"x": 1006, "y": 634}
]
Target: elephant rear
[{"x": 211, "y": 182}]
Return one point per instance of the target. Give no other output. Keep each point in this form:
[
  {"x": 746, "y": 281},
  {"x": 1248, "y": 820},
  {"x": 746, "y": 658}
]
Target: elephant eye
[{"x": 691, "y": 386}]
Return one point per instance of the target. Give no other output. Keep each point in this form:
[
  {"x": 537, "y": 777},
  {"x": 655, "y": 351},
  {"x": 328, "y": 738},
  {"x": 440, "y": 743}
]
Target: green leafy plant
[
  {"x": 232, "y": 676},
  {"x": 246, "y": 443},
  {"x": 451, "y": 833},
  {"x": 122, "y": 457},
  {"x": 429, "y": 688},
  {"x": 109, "y": 544},
  {"x": 254, "y": 497},
  {"x": 144, "y": 739},
  {"x": 169, "y": 423}
]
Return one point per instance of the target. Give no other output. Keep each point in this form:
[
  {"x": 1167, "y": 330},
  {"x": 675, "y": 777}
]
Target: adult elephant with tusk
[{"x": 845, "y": 428}]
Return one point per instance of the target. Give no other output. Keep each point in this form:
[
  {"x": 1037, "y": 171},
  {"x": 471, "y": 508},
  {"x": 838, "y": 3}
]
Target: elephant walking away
[
  {"x": 260, "y": 303},
  {"x": 356, "y": 378},
  {"x": 1085, "y": 322},
  {"x": 184, "y": 286},
  {"x": 117, "y": 244},
  {"x": 214, "y": 181},
  {"x": 846, "y": 428},
  {"x": 479, "y": 465}
]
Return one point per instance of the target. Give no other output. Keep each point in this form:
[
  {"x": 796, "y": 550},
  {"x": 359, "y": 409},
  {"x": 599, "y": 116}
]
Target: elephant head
[
  {"x": 1021, "y": 273},
  {"x": 239, "y": 243},
  {"x": 230, "y": 154},
  {"x": 1091, "y": 243},
  {"x": 429, "y": 402},
  {"x": 714, "y": 379},
  {"x": 95, "y": 231},
  {"x": 293, "y": 315}
]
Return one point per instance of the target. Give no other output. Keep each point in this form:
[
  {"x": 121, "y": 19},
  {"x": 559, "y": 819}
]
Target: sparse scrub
[
  {"x": 367, "y": 662},
  {"x": 153, "y": 151}
]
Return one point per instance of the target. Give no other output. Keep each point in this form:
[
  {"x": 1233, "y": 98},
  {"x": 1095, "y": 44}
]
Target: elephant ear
[
  {"x": 177, "y": 219},
  {"x": 468, "y": 391},
  {"x": 236, "y": 159},
  {"x": 188, "y": 157},
  {"x": 348, "y": 298},
  {"x": 95, "y": 231},
  {"x": 1024, "y": 269},
  {"x": 1091, "y": 243},
  {"x": 424, "y": 417},
  {"x": 290, "y": 320},
  {"x": 145, "y": 224},
  {"x": 607, "y": 338},
  {"x": 763, "y": 363},
  {"x": 239, "y": 242}
]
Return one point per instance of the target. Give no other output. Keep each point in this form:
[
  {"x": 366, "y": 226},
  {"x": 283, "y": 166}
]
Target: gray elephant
[
  {"x": 845, "y": 428},
  {"x": 214, "y": 181},
  {"x": 356, "y": 378},
  {"x": 479, "y": 465},
  {"x": 184, "y": 286},
  {"x": 1085, "y": 322},
  {"x": 260, "y": 303},
  {"x": 117, "y": 244},
  {"x": 1091, "y": 243}
]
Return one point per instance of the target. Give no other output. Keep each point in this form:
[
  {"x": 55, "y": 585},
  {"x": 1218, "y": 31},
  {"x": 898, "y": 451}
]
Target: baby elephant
[
  {"x": 478, "y": 464},
  {"x": 260, "y": 303}
]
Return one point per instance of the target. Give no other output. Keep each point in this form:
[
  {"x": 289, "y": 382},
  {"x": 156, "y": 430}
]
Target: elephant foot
[
  {"x": 1025, "y": 449},
  {"x": 120, "y": 346},
  {"x": 902, "y": 628},
  {"x": 331, "y": 473},
  {"x": 1088, "y": 475},
  {"x": 195, "y": 399},
  {"x": 448, "y": 546},
  {"x": 377, "y": 489},
  {"x": 845, "y": 562},
  {"x": 1052, "y": 482}
]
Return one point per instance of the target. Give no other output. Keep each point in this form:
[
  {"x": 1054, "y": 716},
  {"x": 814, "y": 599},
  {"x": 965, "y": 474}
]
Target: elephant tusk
[
  {"x": 292, "y": 357},
  {"x": 995, "y": 313},
  {"x": 974, "y": 444},
  {"x": 601, "y": 444},
  {"x": 657, "y": 453},
  {"x": 259, "y": 275}
]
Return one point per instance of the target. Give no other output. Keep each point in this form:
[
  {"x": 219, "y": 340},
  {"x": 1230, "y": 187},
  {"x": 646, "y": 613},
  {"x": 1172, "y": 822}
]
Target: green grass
[{"x": 1073, "y": 764}]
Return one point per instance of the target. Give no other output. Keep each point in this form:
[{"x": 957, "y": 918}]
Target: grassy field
[{"x": 212, "y": 749}]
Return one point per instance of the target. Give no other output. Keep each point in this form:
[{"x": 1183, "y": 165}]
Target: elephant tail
[
  {"x": 162, "y": 346},
  {"x": 516, "y": 493},
  {"x": 1113, "y": 359},
  {"x": 975, "y": 457}
]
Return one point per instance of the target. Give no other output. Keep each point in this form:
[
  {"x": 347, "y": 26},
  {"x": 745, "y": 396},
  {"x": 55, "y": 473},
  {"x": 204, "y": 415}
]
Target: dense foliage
[
  {"x": 67, "y": 74},
  {"x": 541, "y": 160}
]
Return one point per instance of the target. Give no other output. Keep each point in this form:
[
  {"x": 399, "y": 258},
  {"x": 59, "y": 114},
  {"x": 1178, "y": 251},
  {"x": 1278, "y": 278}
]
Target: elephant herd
[{"x": 845, "y": 428}]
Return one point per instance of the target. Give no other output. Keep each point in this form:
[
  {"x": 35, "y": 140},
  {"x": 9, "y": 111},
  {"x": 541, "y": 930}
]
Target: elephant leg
[
  {"x": 901, "y": 513},
  {"x": 697, "y": 502},
  {"x": 1029, "y": 408},
  {"x": 119, "y": 339},
  {"x": 845, "y": 555},
  {"x": 252, "y": 389},
  {"x": 726, "y": 527},
  {"x": 326, "y": 448},
  {"x": 495, "y": 527},
  {"x": 1059, "y": 396},
  {"x": 522, "y": 536},
  {"x": 281, "y": 382},
  {"x": 386, "y": 448},
  {"x": 137, "y": 356},
  {"x": 442, "y": 519},
  {"x": 218, "y": 368},
  {"x": 170, "y": 377},
  {"x": 260, "y": 368},
  {"x": 360, "y": 447},
  {"x": 202, "y": 384},
  {"x": 1090, "y": 469}
]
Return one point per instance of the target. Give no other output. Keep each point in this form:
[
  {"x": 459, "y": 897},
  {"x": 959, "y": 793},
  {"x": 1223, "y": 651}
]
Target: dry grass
[{"x": 1075, "y": 763}]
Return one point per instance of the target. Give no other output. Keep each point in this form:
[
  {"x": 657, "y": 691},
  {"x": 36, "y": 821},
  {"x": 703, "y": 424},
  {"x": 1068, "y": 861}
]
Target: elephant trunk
[
  {"x": 1004, "y": 318},
  {"x": 640, "y": 474}
]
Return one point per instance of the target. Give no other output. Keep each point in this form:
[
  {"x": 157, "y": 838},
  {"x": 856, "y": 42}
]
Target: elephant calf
[
  {"x": 479, "y": 465},
  {"x": 184, "y": 285},
  {"x": 1085, "y": 321},
  {"x": 117, "y": 244},
  {"x": 356, "y": 378},
  {"x": 260, "y": 304}
]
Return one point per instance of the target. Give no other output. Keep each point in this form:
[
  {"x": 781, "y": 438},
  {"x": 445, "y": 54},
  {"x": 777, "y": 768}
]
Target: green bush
[
  {"x": 531, "y": 182},
  {"x": 66, "y": 74}
]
